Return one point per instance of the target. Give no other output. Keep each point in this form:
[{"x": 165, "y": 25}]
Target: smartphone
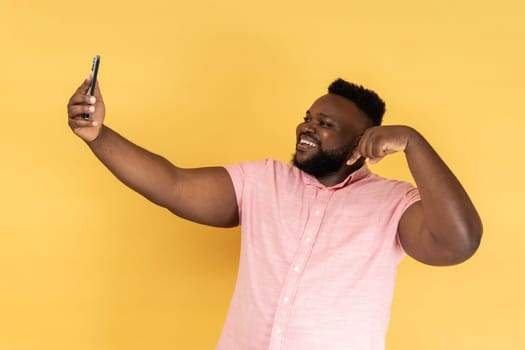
[{"x": 94, "y": 72}]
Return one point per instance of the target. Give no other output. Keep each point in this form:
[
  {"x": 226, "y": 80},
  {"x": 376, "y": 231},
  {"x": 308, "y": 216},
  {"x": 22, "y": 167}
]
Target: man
[{"x": 322, "y": 237}]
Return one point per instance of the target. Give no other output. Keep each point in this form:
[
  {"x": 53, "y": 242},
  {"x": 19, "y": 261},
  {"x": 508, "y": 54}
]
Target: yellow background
[{"x": 87, "y": 264}]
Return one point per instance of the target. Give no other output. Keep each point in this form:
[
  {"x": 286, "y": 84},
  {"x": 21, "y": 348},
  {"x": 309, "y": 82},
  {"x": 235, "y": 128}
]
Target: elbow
[
  {"x": 474, "y": 233},
  {"x": 449, "y": 245},
  {"x": 468, "y": 244},
  {"x": 468, "y": 250}
]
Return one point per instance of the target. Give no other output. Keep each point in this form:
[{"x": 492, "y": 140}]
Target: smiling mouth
[{"x": 306, "y": 143}]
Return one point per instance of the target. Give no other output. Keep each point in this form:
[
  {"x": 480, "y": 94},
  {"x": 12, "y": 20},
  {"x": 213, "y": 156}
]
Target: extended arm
[
  {"x": 443, "y": 228},
  {"x": 204, "y": 195}
]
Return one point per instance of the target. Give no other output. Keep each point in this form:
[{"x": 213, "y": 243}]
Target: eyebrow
[{"x": 322, "y": 115}]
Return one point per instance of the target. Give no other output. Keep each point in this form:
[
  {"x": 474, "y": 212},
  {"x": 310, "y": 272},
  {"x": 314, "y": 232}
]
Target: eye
[
  {"x": 306, "y": 119},
  {"x": 325, "y": 124}
]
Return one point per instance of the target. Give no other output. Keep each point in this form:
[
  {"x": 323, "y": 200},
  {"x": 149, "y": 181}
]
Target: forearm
[
  {"x": 204, "y": 195},
  {"x": 448, "y": 212},
  {"x": 146, "y": 173}
]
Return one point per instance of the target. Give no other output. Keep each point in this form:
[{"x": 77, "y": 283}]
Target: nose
[{"x": 308, "y": 128}]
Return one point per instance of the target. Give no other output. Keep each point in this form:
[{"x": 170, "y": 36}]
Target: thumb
[{"x": 354, "y": 158}]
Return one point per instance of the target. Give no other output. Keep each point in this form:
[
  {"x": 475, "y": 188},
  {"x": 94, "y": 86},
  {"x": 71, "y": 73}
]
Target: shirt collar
[{"x": 353, "y": 177}]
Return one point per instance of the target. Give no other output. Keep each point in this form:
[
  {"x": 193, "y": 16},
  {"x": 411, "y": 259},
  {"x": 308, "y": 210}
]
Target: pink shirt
[{"x": 317, "y": 264}]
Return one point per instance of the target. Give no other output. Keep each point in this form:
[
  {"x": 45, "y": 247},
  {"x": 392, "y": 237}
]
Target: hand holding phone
[{"x": 94, "y": 72}]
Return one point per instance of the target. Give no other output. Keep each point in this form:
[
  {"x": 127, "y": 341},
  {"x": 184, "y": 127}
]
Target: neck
[{"x": 340, "y": 175}]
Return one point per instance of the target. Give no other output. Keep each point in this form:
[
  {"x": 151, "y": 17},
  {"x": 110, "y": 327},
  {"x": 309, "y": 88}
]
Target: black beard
[{"x": 323, "y": 163}]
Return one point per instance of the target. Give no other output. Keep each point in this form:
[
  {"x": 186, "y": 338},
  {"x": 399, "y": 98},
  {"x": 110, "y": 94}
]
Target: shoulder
[
  {"x": 257, "y": 167},
  {"x": 384, "y": 192},
  {"x": 386, "y": 184}
]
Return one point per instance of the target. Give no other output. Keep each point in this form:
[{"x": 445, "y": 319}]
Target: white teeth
[{"x": 308, "y": 143}]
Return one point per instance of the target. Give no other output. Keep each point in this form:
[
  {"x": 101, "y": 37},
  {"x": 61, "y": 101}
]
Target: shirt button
[
  {"x": 317, "y": 212},
  {"x": 278, "y": 330},
  {"x": 296, "y": 268},
  {"x": 286, "y": 299},
  {"x": 308, "y": 239}
]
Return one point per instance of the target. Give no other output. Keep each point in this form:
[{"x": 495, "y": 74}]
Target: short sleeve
[
  {"x": 237, "y": 175},
  {"x": 411, "y": 196},
  {"x": 243, "y": 174}
]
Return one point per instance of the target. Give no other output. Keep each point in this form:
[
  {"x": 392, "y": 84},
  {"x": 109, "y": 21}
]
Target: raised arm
[
  {"x": 443, "y": 228},
  {"x": 203, "y": 195}
]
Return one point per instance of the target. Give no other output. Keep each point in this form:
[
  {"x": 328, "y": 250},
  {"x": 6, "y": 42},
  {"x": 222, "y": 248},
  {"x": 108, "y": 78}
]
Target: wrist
[
  {"x": 98, "y": 137},
  {"x": 414, "y": 138}
]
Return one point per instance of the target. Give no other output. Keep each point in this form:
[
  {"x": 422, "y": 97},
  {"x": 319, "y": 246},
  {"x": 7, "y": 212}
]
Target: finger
[
  {"x": 372, "y": 147},
  {"x": 383, "y": 148},
  {"x": 363, "y": 146},
  {"x": 377, "y": 147},
  {"x": 355, "y": 154},
  {"x": 354, "y": 158},
  {"x": 79, "y": 123},
  {"x": 79, "y": 110},
  {"x": 80, "y": 92},
  {"x": 82, "y": 99}
]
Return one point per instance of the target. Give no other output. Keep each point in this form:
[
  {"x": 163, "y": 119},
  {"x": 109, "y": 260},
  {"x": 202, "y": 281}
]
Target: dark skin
[
  {"x": 332, "y": 123},
  {"x": 443, "y": 228}
]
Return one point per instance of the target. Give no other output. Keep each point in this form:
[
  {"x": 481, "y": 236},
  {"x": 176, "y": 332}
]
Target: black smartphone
[{"x": 94, "y": 72}]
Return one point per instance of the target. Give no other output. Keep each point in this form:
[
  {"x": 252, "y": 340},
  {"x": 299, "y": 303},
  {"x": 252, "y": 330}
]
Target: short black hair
[{"x": 366, "y": 100}]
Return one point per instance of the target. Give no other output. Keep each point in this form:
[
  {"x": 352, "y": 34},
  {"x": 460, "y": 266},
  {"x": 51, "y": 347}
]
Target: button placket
[{"x": 297, "y": 268}]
